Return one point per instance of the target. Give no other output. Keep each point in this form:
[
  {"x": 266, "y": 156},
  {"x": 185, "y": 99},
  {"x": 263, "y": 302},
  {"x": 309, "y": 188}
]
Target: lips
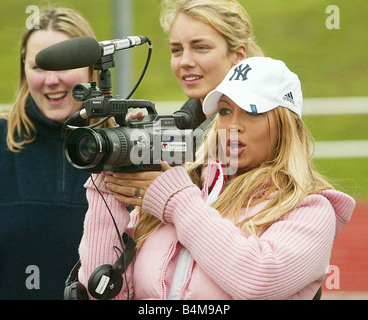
[
  {"x": 235, "y": 147},
  {"x": 54, "y": 96},
  {"x": 191, "y": 78}
]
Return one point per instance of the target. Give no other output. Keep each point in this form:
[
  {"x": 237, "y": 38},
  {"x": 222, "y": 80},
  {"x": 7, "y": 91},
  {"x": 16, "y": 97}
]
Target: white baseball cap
[{"x": 258, "y": 85}]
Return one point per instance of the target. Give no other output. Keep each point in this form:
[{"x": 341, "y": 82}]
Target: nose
[
  {"x": 187, "y": 60},
  {"x": 52, "y": 79},
  {"x": 236, "y": 124}
]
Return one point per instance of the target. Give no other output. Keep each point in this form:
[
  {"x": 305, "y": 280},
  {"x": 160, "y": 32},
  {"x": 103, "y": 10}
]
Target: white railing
[
  {"x": 318, "y": 107},
  {"x": 312, "y": 106},
  {"x": 338, "y": 106}
]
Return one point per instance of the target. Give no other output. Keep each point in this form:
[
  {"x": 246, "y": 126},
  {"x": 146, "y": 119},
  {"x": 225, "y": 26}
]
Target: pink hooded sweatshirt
[{"x": 289, "y": 261}]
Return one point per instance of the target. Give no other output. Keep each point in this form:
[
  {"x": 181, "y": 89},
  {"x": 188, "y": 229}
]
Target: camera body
[{"x": 133, "y": 145}]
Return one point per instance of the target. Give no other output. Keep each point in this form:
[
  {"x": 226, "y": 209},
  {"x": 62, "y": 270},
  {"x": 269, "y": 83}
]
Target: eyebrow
[
  {"x": 221, "y": 100},
  {"x": 191, "y": 42}
]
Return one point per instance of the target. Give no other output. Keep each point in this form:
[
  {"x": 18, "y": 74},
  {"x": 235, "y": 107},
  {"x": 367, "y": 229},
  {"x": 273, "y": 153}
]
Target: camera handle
[
  {"x": 120, "y": 118},
  {"x": 103, "y": 106}
]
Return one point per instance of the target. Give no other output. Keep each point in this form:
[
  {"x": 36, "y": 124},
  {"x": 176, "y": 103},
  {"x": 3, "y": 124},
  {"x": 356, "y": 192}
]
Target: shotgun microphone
[{"x": 82, "y": 52}]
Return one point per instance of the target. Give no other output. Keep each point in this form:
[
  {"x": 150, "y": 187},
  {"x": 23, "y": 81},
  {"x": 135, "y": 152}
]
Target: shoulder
[
  {"x": 314, "y": 209},
  {"x": 334, "y": 200},
  {"x": 192, "y": 105},
  {"x": 314, "y": 200},
  {"x": 3, "y": 130},
  {"x": 3, "y": 123},
  {"x": 194, "y": 108},
  {"x": 316, "y": 205},
  {"x": 313, "y": 217}
]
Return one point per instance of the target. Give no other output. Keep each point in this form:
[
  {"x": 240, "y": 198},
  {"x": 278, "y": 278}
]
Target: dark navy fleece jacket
[{"x": 42, "y": 208}]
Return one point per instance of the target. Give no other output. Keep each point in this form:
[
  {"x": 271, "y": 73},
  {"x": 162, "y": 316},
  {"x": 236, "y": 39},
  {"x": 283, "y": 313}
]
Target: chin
[
  {"x": 194, "y": 94},
  {"x": 58, "y": 117}
]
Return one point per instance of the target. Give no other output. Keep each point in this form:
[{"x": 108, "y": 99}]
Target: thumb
[{"x": 165, "y": 166}]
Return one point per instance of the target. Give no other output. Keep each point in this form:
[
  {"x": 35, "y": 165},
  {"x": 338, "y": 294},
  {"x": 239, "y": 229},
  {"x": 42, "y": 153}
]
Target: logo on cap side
[
  {"x": 254, "y": 108},
  {"x": 240, "y": 71},
  {"x": 289, "y": 97}
]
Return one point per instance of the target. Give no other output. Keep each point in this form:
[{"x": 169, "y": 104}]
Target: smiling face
[
  {"x": 200, "y": 57},
  {"x": 256, "y": 137},
  {"x": 52, "y": 90}
]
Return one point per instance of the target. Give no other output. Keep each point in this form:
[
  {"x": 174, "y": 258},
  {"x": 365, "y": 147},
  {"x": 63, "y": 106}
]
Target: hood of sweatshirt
[{"x": 342, "y": 203}]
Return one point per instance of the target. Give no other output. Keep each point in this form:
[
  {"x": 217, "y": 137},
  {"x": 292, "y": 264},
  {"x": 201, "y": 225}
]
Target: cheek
[
  {"x": 264, "y": 143},
  {"x": 273, "y": 132},
  {"x": 175, "y": 66},
  {"x": 216, "y": 68},
  {"x": 35, "y": 80},
  {"x": 222, "y": 132},
  {"x": 274, "y": 139},
  {"x": 72, "y": 77},
  {"x": 211, "y": 65}
]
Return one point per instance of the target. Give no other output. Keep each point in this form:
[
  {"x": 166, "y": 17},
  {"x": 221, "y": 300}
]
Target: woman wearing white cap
[{"x": 262, "y": 230}]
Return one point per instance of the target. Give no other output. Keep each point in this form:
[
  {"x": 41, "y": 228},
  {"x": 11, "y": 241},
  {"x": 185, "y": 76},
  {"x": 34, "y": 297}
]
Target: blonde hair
[
  {"x": 288, "y": 176},
  {"x": 228, "y": 17},
  {"x": 21, "y": 130}
]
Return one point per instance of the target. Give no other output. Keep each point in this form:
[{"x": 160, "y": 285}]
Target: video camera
[{"x": 132, "y": 145}]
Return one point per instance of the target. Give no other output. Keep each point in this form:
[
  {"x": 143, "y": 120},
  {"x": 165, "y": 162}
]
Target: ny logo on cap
[{"x": 240, "y": 71}]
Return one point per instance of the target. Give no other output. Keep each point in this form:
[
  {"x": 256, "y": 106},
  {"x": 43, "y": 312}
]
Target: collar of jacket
[{"x": 35, "y": 114}]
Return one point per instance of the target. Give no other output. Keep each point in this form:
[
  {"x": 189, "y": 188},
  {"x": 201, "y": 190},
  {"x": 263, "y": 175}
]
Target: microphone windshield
[{"x": 74, "y": 53}]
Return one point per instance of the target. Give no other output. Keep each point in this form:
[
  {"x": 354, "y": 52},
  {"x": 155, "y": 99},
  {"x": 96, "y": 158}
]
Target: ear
[{"x": 240, "y": 54}]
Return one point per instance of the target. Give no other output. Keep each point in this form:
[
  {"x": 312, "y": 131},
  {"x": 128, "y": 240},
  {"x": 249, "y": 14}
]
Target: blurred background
[{"x": 326, "y": 46}]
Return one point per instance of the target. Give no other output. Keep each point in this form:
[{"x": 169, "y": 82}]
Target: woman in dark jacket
[{"x": 42, "y": 198}]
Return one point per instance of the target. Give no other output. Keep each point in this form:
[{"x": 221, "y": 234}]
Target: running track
[{"x": 350, "y": 255}]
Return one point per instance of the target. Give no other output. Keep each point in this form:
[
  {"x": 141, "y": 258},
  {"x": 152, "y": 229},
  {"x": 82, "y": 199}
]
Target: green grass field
[{"x": 330, "y": 63}]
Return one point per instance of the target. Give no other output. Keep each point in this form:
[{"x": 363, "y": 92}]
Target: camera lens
[
  {"x": 99, "y": 149},
  {"x": 87, "y": 148}
]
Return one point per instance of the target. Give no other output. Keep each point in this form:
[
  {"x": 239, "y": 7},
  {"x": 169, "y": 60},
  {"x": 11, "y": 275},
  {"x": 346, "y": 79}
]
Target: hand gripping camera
[{"x": 132, "y": 145}]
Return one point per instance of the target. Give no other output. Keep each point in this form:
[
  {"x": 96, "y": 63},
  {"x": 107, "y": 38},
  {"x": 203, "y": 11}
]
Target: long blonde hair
[
  {"x": 59, "y": 19},
  {"x": 228, "y": 17},
  {"x": 288, "y": 176}
]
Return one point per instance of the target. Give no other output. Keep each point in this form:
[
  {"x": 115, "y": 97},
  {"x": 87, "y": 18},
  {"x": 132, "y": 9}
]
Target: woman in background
[
  {"x": 42, "y": 199},
  {"x": 206, "y": 38}
]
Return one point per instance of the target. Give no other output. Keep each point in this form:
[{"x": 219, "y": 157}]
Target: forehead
[
  {"x": 227, "y": 101},
  {"x": 188, "y": 29},
  {"x": 42, "y": 39}
]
